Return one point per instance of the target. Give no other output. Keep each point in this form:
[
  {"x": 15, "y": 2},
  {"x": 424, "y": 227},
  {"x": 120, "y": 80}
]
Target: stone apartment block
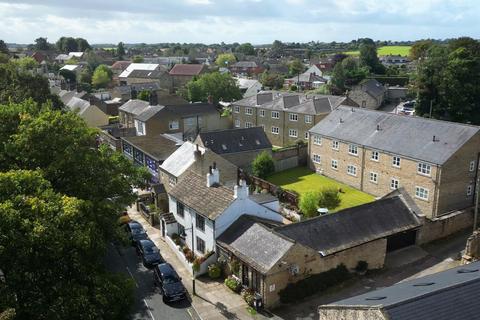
[
  {"x": 285, "y": 117},
  {"x": 434, "y": 161}
]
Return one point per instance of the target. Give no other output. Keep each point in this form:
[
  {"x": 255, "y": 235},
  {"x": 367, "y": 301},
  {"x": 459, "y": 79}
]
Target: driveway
[{"x": 148, "y": 301}]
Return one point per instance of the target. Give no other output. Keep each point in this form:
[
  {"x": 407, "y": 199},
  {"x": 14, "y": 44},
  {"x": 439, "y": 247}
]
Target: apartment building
[
  {"x": 434, "y": 161},
  {"x": 285, "y": 117}
]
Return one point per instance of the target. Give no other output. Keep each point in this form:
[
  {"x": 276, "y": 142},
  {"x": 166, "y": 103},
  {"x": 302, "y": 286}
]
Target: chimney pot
[
  {"x": 214, "y": 165},
  {"x": 378, "y": 127},
  {"x": 434, "y": 139}
]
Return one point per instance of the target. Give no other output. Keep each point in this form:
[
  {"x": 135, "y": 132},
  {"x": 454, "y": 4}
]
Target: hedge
[{"x": 316, "y": 283}]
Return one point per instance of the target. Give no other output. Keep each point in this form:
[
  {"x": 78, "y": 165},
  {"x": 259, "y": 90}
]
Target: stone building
[
  {"x": 368, "y": 94},
  {"x": 285, "y": 117}
]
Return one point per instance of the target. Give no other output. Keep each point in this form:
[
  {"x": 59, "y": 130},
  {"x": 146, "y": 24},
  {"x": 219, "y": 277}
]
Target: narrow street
[{"x": 148, "y": 301}]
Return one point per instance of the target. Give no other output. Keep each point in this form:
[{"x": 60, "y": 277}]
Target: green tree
[
  {"x": 72, "y": 60},
  {"x": 68, "y": 75},
  {"x": 308, "y": 203},
  {"x": 272, "y": 80},
  {"x": 102, "y": 76},
  {"x": 338, "y": 79},
  {"x": 144, "y": 95},
  {"x": 120, "y": 50},
  {"x": 329, "y": 198},
  {"x": 246, "y": 49},
  {"x": 137, "y": 59},
  {"x": 419, "y": 49},
  {"x": 92, "y": 59},
  {"x": 67, "y": 44},
  {"x": 85, "y": 76},
  {"x": 221, "y": 87},
  {"x": 4, "y": 58},
  {"x": 263, "y": 165},
  {"x": 354, "y": 73},
  {"x": 368, "y": 55},
  {"x": 3, "y": 47},
  {"x": 26, "y": 63},
  {"x": 296, "y": 67},
  {"x": 225, "y": 60},
  {"x": 42, "y": 44},
  {"x": 82, "y": 44}
]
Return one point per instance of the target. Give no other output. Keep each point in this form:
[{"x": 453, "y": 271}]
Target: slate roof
[
  {"x": 147, "y": 74},
  {"x": 245, "y": 64},
  {"x": 191, "y": 109},
  {"x": 66, "y": 96},
  {"x": 181, "y": 159},
  {"x": 121, "y": 65},
  {"x": 134, "y": 106},
  {"x": 451, "y": 294},
  {"x": 405, "y": 136},
  {"x": 193, "y": 192},
  {"x": 235, "y": 140},
  {"x": 157, "y": 146},
  {"x": 372, "y": 87},
  {"x": 149, "y": 112},
  {"x": 78, "y": 105},
  {"x": 126, "y": 89},
  {"x": 187, "y": 69},
  {"x": 254, "y": 243},
  {"x": 354, "y": 226}
]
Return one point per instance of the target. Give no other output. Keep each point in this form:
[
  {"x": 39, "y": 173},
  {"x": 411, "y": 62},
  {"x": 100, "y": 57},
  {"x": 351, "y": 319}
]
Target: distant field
[{"x": 387, "y": 50}]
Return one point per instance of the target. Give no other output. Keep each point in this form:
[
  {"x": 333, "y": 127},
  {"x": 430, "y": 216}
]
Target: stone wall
[
  {"x": 331, "y": 312},
  {"x": 444, "y": 226}
]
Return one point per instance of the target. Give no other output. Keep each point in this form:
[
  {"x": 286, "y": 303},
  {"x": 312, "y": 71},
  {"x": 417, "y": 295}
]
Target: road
[{"x": 148, "y": 301}]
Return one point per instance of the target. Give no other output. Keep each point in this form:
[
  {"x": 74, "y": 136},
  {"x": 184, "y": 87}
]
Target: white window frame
[
  {"x": 421, "y": 193},
  {"x": 471, "y": 168},
  {"x": 140, "y": 128},
  {"x": 262, "y": 113},
  {"x": 334, "y": 164},
  {"x": 375, "y": 156},
  {"x": 248, "y": 111},
  {"x": 293, "y": 133},
  {"x": 275, "y": 130},
  {"x": 335, "y": 145},
  {"x": 317, "y": 140},
  {"x": 306, "y": 136},
  {"x": 393, "y": 182},
  {"x": 308, "y": 118},
  {"x": 293, "y": 116},
  {"x": 275, "y": 115},
  {"x": 424, "y": 169},
  {"x": 352, "y": 170},
  {"x": 173, "y": 125},
  {"x": 396, "y": 161},
  {"x": 373, "y": 177},
  {"x": 353, "y": 149},
  {"x": 316, "y": 158},
  {"x": 237, "y": 123},
  {"x": 248, "y": 124},
  {"x": 236, "y": 109}
]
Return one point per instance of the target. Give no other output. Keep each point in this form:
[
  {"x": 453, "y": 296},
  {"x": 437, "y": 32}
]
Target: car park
[
  {"x": 149, "y": 253},
  {"x": 170, "y": 284},
  {"x": 135, "y": 231}
]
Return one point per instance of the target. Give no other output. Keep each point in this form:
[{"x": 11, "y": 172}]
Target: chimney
[
  {"x": 213, "y": 175},
  {"x": 210, "y": 99},
  {"x": 133, "y": 93},
  {"x": 378, "y": 127},
  {"x": 240, "y": 191},
  {"x": 435, "y": 139},
  {"x": 197, "y": 154},
  {"x": 153, "y": 98}
]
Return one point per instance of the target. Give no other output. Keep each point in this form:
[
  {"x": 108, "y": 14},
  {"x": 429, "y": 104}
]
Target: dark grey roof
[
  {"x": 447, "y": 295},
  {"x": 149, "y": 112},
  {"x": 191, "y": 109},
  {"x": 254, "y": 243},
  {"x": 126, "y": 89},
  {"x": 406, "y": 136},
  {"x": 235, "y": 140},
  {"x": 147, "y": 74},
  {"x": 372, "y": 87},
  {"x": 134, "y": 106},
  {"x": 262, "y": 198},
  {"x": 157, "y": 146},
  {"x": 354, "y": 226},
  {"x": 193, "y": 192},
  {"x": 245, "y": 64}
]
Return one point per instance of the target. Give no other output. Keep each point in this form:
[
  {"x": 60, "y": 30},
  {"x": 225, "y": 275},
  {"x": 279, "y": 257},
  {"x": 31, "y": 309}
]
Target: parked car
[
  {"x": 170, "y": 284},
  {"x": 135, "y": 231},
  {"x": 149, "y": 253}
]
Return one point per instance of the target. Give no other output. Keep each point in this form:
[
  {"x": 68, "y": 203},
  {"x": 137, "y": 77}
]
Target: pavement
[{"x": 213, "y": 300}]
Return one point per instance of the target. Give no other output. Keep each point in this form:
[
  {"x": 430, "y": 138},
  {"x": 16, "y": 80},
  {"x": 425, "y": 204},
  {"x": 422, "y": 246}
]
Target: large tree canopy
[{"x": 221, "y": 87}]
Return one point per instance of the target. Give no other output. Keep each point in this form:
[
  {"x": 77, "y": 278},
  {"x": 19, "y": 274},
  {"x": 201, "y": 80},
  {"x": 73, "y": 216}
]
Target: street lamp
[{"x": 193, "y": 250}]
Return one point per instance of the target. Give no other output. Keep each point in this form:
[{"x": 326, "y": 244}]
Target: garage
[{"x": 401, "y": 240}]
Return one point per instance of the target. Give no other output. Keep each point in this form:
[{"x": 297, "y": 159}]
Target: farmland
[{"x": 386, "y": 50}]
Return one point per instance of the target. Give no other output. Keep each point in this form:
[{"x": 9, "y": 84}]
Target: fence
[
  {"x": 282, "y": 195},
  {"x": 290, "y": 157}
]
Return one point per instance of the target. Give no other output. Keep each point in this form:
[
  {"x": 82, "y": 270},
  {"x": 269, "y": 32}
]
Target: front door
[{"x": 245, "y": 275}]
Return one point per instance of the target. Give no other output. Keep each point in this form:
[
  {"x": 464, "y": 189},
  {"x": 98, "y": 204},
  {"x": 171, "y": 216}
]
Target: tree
[
  {"x": 26, "y": 63},
  {"x": 72, "y": 60},
  {"x": 102, "y": 76},
  {"x": 85, "y": 76},
  {"x": 92, "y": 59},
  {"x": 42, "y": 44},
  {"x": 4, "y": 58},
  {"x": 276, "y": 51},
  {"x": 247, "y": 49},
  {"x": 354, "y": 73},
  {"x": 82, "y": 44},
  {"x": 137, "y": 59},
  {"x": 120, "y": 50},
  {"x": 272, "y": 80},
  {"x": 263, "y": 165},
  {"x": 295, "y": 67},
  {"x": 67, "y": 44},
  {"x": 3, "y": 47},
  {"x": 368, "y": 55},
  {"x": 308, "y": 203},
  {"x": 329, "y": 198},
  {"x": 338, "y": 79},
  {"x": 68, "y": 75},
  {"x": 225, "y": 60},
  {"x": 221, "y": 87},
  {"x": 144, "y": 95},
  {"x": 419, "y": 49}
]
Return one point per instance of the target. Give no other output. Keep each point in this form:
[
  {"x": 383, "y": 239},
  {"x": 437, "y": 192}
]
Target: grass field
[
  {"x": 387, "y": 50},
  {"x": 302, "y": 179}
]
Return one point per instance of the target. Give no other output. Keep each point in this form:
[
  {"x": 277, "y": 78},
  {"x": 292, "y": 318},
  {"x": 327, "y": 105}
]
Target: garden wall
[{"x": 290, "y": 157}]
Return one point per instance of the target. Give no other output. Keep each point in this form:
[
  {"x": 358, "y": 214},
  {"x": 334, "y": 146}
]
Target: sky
[{"x": 255, "y": 21}]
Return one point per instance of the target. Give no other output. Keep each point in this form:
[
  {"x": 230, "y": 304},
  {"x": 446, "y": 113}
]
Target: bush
[
  {"x": 196, "y": 265},
  {"x": 362, "y": 266},
  {"x": 190, "y": 256},
  {"x": 175, "y": 236},
  {"x": 185, "y": 250},
  {"x": 234, "y": 266},
  {"x": 329, "y": 198},
  {"x": 233, "y": 284},
  {"x": 308, "y": 203},
  {"x": 177, "y": 241},
  {"x": 248, "y": 295},
  {"x": 316, "y": 283},
  {"x": 293, "y": 87},
  {"x": 214, "y": 271},
  {"x": 263, "y": 165}
]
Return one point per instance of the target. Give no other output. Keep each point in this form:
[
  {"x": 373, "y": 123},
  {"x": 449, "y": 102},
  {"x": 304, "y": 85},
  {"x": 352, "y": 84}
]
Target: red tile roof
[
  {"x": 121, "y": 65},
  {"x": 187, "y": 69}
]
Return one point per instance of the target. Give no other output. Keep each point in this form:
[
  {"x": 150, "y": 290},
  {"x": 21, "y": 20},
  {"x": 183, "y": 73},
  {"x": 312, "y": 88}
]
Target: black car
[
  {"x": 149, "y": 253},
  {"x": 136, "y": 232},
  {"x": 169, "y": 282}
]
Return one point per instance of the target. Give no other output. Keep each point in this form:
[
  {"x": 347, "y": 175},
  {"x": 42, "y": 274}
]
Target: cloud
[{"x": 256, "y": 21}]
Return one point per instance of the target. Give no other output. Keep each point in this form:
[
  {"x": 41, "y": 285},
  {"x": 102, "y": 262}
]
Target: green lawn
[
  {"x": 386, "y": 50},
  {"x": 302, "y": 179}
]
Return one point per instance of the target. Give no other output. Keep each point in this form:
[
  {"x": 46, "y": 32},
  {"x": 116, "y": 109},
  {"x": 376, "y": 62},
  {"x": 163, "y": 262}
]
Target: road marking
[
  {"x": 148, "y": 309},
  {"x": 190, "y": 314},
  {"x": 131, "y": 275}
]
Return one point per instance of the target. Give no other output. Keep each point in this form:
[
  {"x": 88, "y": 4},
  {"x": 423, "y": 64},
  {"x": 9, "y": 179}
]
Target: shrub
[
  {"x": 329, "y": 198},
  {"x": 190, "y": 256},
  {"x": 362, "y": 266},
  {"x": 248, "y": 295},
  {"x": 308, "y": 203},
  {"x": 175, "y": 236},
  {"x": 316, "y": 283},
  {"x": 185, "y": 250},
  {"x": 196, "y": 265},
  {"x": 263, "y": 165},
  {"x": 177, "y": 241},
  {"x": 234, "y": 266},
  {"x": 293, "y": 87},
  {"x": 233, "y": 284},
  {"x": 214, "y": 271}
]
